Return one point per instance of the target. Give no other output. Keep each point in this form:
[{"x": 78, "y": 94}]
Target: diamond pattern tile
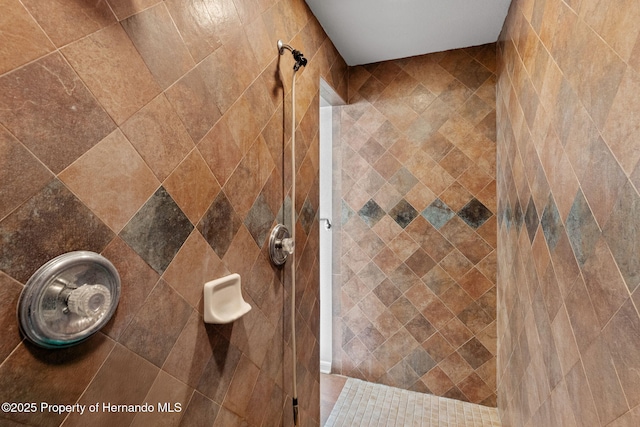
[
  {"x": 125, "y": 123},
  {"x": 419, "y": 174},
  {"x": 438, "y": 213},
  {"x": 403, "y": 213},
  {"x": 474, "y": 213},
  {"x": 158, "y": 230},
  {"x": 566, "y": 162}
]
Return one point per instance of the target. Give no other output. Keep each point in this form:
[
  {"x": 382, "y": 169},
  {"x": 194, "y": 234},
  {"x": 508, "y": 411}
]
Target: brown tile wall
[
  {"x": 568, "y": 213},
  {"x": 152, "y": 132},
  {"x": 417, "y": 301}
]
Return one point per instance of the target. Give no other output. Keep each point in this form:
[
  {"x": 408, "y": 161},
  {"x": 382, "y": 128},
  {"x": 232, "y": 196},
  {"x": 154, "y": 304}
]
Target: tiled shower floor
[{"x": 366, "y": 404}]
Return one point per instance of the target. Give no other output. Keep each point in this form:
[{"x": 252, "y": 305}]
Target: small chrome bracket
[{"x": 280, "y": 244}]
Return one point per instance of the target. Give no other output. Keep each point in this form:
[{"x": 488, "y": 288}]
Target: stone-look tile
[
  {"x": 159, "y": 136},
  {"x": 124, "y": 379},
  {"x": 218, "y": 372},
  {"x": 438, "y": 213},
  {"x": 16, "y": 188},
  {"x": 158, "y": 230},
  {"x": 157, "y": 326},
  {"x": 65, "y": 21},
  {"x": 199, "y": 412},
  {"x": 169, "y": 394},
  {"x": 403, "y": 213},
  {"x": 220, "y": 151},
  {"x": 247, "y": 181},
  {"x": 592, "y": 247},
  {"x": 474, "y": 213},
  {"x": 193, "y": 199},
  {"x": 191, "y": 352},
  {"x": 112, "y": 180},
  {"x": 22, "y": 38},
  {"x": 62, "y": 224},
  {"x": 241, "y": 386},
  {"x": 50, "y": 111},
  {"x": 48, "y": 108},
  {"x": 125, "y": 8},
  {"x": 204, "y": 28},
  {"x": 10, "y": 293},
  {"x": 137, "y": 280},
  {"x": 194, "y": 265},
  {"x": 621, "y": 339},
  {"x": 260, "y": 219},
  {"x": 219, "y": 225},
  {"x": 110, "y": 66},
  {"x": 33, "y": 373},
  {"x": 621, "y": 234},
  {"x": 159, "y": 43}
]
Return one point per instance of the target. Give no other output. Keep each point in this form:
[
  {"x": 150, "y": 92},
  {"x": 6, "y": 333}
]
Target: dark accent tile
[
  {"x": 622, "y": 233},
  {"x": 475, "y": 353},
  {"x": 220, "y": 224},
  {"x": 403, "y": 213},
  {"x": 49, "y": 224},
  {"x": 518, "y": 216},
  {"x": 582, "y": 229},
  {"x": 307, "y": 215},
  {"x": 531, "y": 219},
  {"x": 371, "y": 213},
  {"x": 438, "y": 213},
  {"x": 259, "y": 220},
  {"x": 551, "y": 224},
  {"x": 474, "y": 213},
  {"x": 158, "y": 230},
  {"x": 48, "y": 108},
  {"x": 157, "y": 326}
]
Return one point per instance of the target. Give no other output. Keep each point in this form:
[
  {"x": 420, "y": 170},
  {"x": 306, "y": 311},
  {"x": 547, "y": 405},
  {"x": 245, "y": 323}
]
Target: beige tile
[
  {"x": 159, "y": 136},
  {"x": 113, "y": 70},
  {"x": 112, "y": 179},
  {"x": 22, "y": 39}
]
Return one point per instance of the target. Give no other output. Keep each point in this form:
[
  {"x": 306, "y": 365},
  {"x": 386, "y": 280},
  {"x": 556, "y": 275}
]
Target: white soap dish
[{"x": 223, "y": 302}]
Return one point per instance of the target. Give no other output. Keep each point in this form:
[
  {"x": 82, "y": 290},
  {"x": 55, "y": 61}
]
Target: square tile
[{"x": 158, "y": 230}]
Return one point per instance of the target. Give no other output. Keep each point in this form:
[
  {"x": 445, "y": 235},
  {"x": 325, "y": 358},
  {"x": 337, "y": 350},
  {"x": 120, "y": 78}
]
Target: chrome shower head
[{"x": 301, "y": 61}]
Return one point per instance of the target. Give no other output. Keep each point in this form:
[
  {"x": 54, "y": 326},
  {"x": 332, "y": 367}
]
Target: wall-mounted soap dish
[{"x": 223, "y": 302}]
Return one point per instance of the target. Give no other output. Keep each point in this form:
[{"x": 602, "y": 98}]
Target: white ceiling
[{"x": 366, "y": 31}]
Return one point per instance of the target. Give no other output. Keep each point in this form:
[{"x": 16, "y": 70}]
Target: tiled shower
[
  {"x": 417, "y": 296},
  {"x": 153, "y": 132}
]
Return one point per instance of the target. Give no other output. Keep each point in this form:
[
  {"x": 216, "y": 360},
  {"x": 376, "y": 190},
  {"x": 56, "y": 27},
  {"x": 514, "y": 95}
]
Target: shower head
[{"x": 301, "y": 61}]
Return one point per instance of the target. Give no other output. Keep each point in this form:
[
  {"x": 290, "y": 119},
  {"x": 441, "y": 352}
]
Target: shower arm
[{"x": 301, "y": 61}]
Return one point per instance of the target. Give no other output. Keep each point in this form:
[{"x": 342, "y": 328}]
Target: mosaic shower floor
[{"x": 366, "y": 404}]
